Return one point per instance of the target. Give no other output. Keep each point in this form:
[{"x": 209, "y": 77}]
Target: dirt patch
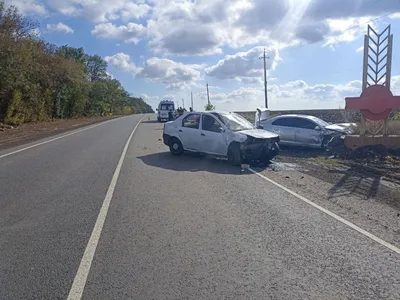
[{"x": 11, "y": 136}]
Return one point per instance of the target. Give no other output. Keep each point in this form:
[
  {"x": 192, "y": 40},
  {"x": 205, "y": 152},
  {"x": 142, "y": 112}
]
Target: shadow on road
[
  {"x": 190, "y": 163},
  {"x": 150, "y": 121}
]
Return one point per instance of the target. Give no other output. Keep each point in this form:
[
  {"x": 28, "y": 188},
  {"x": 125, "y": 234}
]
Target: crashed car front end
[
  {"x": 259, "y": 146},
  {"x": 335, "y": 132}
]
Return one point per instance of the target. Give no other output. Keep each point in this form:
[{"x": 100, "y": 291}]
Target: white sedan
[{"x": 222, "y": 134}]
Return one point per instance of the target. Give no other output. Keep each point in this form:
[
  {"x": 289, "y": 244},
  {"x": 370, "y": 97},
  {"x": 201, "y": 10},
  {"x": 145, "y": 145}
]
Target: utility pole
[
  {"x": 264, "y": 57},
  {"x": 191, "y": 99},
  {"x": 208, "y": 95},
  {"x": 183, "y": 103}
]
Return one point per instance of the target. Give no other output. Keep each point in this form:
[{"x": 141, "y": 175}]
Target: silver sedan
[{"x": 304, "y": 130}]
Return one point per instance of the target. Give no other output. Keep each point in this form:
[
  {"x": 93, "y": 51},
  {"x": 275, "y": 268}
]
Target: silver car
[{"x": 304, "y": 130}]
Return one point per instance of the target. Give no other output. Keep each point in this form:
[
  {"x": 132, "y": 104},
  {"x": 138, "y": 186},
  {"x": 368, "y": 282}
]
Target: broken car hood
[
  {"x": 259, "y": 133},
  {"x": 342, "y": 127}
]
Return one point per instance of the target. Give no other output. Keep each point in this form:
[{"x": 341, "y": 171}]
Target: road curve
[{"x": 177, "y": 228}]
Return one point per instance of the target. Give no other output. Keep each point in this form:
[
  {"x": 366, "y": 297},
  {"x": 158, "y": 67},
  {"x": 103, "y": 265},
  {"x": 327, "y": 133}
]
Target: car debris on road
[{"x": 220, "y": 134}]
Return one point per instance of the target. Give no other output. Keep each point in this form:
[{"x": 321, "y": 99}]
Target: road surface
[{"x": 175, "y": 227}]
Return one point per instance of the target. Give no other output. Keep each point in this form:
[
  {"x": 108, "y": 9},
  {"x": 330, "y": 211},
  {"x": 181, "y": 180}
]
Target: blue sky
[{"x": 170, "y": 48}]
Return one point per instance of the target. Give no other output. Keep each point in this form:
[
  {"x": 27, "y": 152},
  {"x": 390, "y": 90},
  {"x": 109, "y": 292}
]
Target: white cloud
[
  {"x": 129, "y": 33},
  {"x": 395, "y": 16},
  {"x": 133, "y": 10},
  {"x": 360, "y": 49},
  {"x": 59, "y": 27},
  {"x": 186, "y": 27},
  {"x": 28, "y": 6},
  {"x": 174, "y": 75},
  {"x": 100, "y": 11},
  {"x": 203, "y": 27},
  {"x": 290, "y": 95},
  {"x": 121, "y": 61},
  {"x": 245, "y": 66}
]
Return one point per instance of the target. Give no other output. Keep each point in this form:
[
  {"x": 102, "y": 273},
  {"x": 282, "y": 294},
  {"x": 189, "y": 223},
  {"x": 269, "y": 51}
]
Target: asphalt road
[{"x": 176, "y": 228}]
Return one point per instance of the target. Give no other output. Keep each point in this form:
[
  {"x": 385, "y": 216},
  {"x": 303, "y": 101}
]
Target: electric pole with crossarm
[{"x": 264, "y": 57}]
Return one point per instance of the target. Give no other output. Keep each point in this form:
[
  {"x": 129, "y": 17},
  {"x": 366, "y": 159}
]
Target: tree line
[{"x": 40, "y": 81}]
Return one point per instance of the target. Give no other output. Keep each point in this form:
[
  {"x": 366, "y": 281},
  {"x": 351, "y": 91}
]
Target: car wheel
[
  {"x": 234, "y": 155},
  {"x": 175, "y": 146},
  {"x": 273, "y": 152}
]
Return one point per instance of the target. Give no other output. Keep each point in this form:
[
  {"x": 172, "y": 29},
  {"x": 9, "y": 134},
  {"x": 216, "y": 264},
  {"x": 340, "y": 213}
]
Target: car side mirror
[
  {"x": 317, "y": 128},
  {"x": 260, "y": 127}
]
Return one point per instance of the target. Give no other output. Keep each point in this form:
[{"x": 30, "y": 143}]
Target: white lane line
[
  {"x": 80, "y": 279},
  {"x": 57, "y": 138},
  {"x": 324, "y": 210}
]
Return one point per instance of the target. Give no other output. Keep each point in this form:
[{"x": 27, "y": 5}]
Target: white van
[{"x": 164, "y": 107}]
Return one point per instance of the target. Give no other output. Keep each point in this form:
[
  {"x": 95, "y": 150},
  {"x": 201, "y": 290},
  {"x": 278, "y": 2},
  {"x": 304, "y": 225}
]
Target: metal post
[
  {"x": 265, "y": 81},
  {"x": 208, "y": 95},
  {"x": 264, "y": 57},
  {"x": 388, "y": 76},
  {"x": 183, "y": 103},
  {"x": 365, "y": 63}
]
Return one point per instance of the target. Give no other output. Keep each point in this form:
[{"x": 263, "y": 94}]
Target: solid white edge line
[
  {"x": 324, "y": 210},
  {"x": 80, "y": 279},
  {"x": 57, "y": 138}
]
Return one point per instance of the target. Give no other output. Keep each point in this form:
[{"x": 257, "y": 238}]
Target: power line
[{"x": 374, "y": 19}]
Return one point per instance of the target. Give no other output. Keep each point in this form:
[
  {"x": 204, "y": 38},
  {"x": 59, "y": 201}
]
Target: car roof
[
  {"x": 297, "y": 116},
  {"x": 211, "y": 112}
]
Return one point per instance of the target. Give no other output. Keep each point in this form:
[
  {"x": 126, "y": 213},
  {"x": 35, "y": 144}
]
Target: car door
[
  {"x": 189, "y": 132},
  {"x": 284, "y": 126},
  {"x": 213, "y": 139},
  {"x": 306, "y": 133}
]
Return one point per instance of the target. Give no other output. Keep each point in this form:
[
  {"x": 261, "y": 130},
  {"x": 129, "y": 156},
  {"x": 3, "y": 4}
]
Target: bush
[{"x": 15, "y": 110}]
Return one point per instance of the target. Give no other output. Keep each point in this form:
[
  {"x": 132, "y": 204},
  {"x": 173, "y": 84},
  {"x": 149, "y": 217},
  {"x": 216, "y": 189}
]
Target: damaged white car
[
  {"x": 304, "y": 130},
  {"x": 221, "y": 134}
]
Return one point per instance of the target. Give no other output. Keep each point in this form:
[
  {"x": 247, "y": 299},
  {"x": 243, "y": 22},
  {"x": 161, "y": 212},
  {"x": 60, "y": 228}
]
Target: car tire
[
  {"x": 274, "y": 152},
  {"x": 175, "y": 146},
  {"x": 234, "y": 155}
]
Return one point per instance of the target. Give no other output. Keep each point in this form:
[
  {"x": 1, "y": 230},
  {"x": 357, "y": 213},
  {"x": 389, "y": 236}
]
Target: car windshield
[
  {"x": 167, "y": 107},
  {"x": 320, "y": 122},
  {"x": 235, "y": 122}
]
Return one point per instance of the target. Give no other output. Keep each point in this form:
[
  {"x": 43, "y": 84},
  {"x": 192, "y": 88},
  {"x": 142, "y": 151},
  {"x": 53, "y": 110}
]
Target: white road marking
[
  {"x": 80, "y": 279},
  {"x": 324, "y": 210},
  {"x": 57, "y": 138}
]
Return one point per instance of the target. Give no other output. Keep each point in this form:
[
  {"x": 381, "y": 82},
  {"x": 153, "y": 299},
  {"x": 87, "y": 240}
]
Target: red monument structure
[{"x": 376, "y": 101}]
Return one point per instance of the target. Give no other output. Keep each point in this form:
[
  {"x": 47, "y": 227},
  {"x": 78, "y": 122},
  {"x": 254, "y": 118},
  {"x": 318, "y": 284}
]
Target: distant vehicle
[
  {"x": 221, "y": 134},
  {"x": 304, "y": 130},
  {"x": 164, "y": 107}
]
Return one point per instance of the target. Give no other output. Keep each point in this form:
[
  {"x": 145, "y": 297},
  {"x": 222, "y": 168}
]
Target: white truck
[{"x": 164, "y": 107}]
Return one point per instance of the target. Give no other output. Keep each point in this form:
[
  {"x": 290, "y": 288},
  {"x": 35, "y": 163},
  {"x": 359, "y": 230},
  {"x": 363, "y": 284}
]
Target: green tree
[
  {"x": 209, "y": 107},
  {"x": 40, "y": 81},
  {"x": 96, "y": 67}
]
